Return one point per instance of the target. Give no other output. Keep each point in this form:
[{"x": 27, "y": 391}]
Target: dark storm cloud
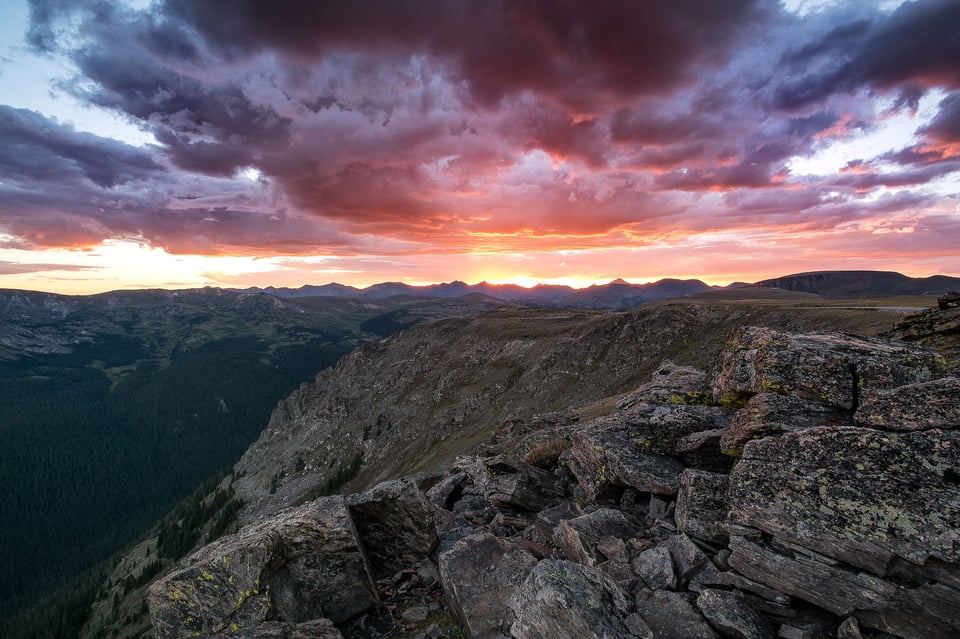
[
  {"x": 945, "y": 127},
  {"x": 37, "y": 149},
  {"x": 427, "y": 120},
  {"x": 916, "y": 45},
  {"x": 497, "y": 48}
]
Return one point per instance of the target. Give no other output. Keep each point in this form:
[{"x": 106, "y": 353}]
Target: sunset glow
[{"x": 182, "y": 144}]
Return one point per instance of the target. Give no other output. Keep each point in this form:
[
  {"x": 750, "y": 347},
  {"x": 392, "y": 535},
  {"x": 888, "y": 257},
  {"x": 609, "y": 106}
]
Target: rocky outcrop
[
  {"x": 303, "y": 565},
  {"x": 937, "y": 328},
  {"x": 830, "y": 519},
  {"x": 829, "y": 369}
]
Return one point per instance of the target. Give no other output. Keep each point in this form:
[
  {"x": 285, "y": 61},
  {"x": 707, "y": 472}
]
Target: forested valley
[{"x": 116, "y": 407}]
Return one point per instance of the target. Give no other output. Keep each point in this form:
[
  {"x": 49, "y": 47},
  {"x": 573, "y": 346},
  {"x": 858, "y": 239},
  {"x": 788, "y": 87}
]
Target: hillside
[
  {"x": 863, "y": 284},
  {"x": 113, "y": 407},
  {"x": 425, "y": 395},
  {"x": 775, "y": 477}
]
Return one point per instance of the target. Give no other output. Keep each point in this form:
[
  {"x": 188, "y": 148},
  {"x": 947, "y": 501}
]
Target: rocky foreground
[{"x": 808, "y": 486}]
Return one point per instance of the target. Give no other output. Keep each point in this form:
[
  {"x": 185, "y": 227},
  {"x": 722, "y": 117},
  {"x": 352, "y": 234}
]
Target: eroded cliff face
[
  {"x": 415, "y": 401},
  {"x": 774, "y": 495}
]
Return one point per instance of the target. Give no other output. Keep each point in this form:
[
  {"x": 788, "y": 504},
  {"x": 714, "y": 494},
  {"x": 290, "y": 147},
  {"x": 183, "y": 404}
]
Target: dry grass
[{"x": 546, "y": 454}]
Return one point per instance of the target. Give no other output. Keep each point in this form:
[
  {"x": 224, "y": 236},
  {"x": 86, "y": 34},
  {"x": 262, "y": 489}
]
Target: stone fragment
[
  {"x": 688, "y": 559},
  {"x": 727, "y": 612},
  {"x": 702, "y": 505},
  {"x": 520, "y": 486},
  {"x": 479, "y": 576},
  {"x": 445, "y": 493},
  {"x": 673, "y": 615},
  {"x": 933, "y": 404},
  {"x": 811, "y": 623},
  {"x": 564, "y": 599},
  {"x": 849, "y": 629},
  {"x": 578, "y": 537},
  {"x": 303, "y": 564},
  {"x": 833, "y": 369},
  {"x": 659, "y": 508},
  {"x": 706, "y": 577},
  {"x": 607, "y": 457},
  {"x": 614, "y": 549},
  {"x": 735, "y": 580},
  {"x": 658, "y": 429},
  {"x": 771, "y": 414},
  {"x": 541, "y": 531},
  {"x": 395, "y": 525},
  {"x": 655, "y": 568}
]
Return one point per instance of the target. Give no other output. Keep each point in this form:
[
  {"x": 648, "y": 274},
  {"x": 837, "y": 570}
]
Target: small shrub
[{"x": 546, "y": 454}]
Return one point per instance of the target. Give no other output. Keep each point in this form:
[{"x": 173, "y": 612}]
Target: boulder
[
  {"x": 832, "y": 369},
  {"x": 608, "y": 457},
  {"x": 770, "y": 414},
  {"x": 727, "y": 612},
  {"x": 578, "y": 537},
  {"x": 564, "y": 599},
  {"x": 657, "y": 429},
  {"x": 301, "y": 565},
  {"x": 933, "y": 404},
  {"x": 479, "y": 575},
  {"x": 395, "y": 525},
  {"x": 655, "y": 567},
  {"x": 702, "y": 505},
  {"x": 671, "y": 384},
  {"x": 853, "y": 494},
  {"x": 673, "y": 615}
]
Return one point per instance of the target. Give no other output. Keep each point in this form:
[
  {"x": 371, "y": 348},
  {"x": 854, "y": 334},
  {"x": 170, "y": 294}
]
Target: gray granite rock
[
  {"x": 565, "y": 599},
  {"x": 578, "y": 537},
  {"x": 607, "y": 456},
  {"x": 933, "y": 404},
  {"x": 655, "y": 567},
  {"x": 732, "y": 617},
  {"x": 673, "y": 615},
  {"x": 479, "y": 575},
  {"x": 832, "y": 369},
  {"x": 857, "y": 495}
]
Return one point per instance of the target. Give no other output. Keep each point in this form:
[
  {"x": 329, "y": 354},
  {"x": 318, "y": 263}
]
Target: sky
[{"x": 186, "y": 143}]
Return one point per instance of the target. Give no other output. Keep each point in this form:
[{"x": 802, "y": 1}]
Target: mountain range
[{"x": 621, "y": 295}]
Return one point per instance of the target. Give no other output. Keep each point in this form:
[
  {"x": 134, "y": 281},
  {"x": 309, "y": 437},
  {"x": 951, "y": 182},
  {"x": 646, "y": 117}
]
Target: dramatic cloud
[
  {"x": 430, "y": 127},
  {"x": 19, "y": 268}
]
